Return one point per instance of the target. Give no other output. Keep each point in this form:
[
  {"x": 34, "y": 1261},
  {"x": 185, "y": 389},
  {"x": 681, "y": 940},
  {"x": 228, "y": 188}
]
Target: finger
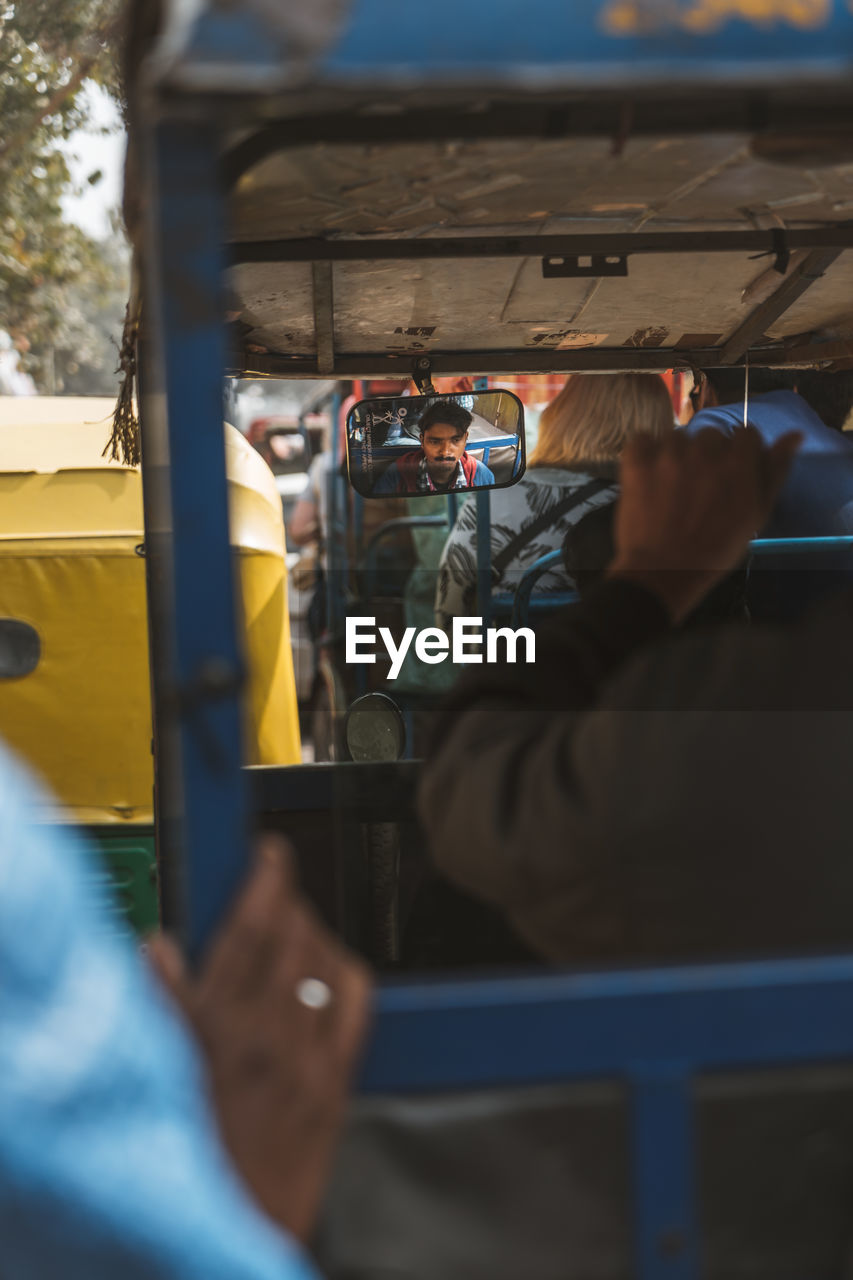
[
  {"x": 167, "y": 962},
  {"x": 353, "y": 988},
  {"x": 277, "y": 849},
  {"x": 781, "y": 454},
  {"x": 677, "y": 443},
  {"x": 746, "y": 460},
  {"x": 777, "y": 462},
  {"x": 637, "y": 461},
  {"x": 712, "y": 443},
  {"x": 641, "y": 448},
  {"x": 747, "y": 441},
  {"x": 241, "y": 950},
  {"x": 304, "y": 952},
  {"x": 350, "y": 981},
  {"x": 310, "y": 951}
]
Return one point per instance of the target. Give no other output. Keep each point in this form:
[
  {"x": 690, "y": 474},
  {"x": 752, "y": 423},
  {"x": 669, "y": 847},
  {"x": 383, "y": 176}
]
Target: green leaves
[{"x": 61, "y": 293}]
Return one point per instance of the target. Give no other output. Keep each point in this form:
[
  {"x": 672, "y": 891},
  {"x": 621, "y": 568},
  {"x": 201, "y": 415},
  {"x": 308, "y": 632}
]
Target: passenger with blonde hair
[{"x": 571, "y": 471}]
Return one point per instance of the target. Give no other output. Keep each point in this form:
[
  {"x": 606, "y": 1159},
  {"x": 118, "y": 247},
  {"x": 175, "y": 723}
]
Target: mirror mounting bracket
[
  {"x": 422, "y": 376},
  {"x": 579, "y": 265}
]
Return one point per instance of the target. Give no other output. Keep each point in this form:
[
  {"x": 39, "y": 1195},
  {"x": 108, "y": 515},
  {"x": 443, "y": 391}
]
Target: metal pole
[
  {"x": 664, "y": 1226},
  {"x": 200, "y": 680},
  {"x": 484, "y": 540}
]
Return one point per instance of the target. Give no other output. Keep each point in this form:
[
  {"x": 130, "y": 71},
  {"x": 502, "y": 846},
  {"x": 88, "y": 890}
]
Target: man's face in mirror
[{"x": 443, "y": 445}]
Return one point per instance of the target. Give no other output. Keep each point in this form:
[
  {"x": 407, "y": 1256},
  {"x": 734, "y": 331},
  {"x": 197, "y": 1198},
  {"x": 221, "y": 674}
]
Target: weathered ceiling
[{"x": 506, "y": 188}]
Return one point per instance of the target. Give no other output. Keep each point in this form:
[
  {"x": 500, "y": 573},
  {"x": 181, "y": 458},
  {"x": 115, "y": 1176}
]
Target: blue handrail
[
  {"x": 522, "y": 603},
  {"x": 800, "y": 546},
  {"x": 462, "y": 1033},
  {"x": 654, "y": 1029},
  {"x": 386, "y": 530}
]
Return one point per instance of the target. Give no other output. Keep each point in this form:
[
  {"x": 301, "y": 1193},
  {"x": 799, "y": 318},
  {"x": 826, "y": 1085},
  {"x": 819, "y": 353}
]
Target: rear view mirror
[
  {"x": 288, "y": 448},
  {"x": 435, "y": 444},
  {"x": 282, "y": 442}
]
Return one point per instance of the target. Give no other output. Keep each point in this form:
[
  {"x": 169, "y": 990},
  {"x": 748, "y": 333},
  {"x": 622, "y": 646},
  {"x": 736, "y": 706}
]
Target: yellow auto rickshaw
[{"x": 74, "y": 670}]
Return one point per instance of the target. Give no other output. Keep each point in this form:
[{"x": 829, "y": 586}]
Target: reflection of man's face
[{"x": 443, "y": 446}]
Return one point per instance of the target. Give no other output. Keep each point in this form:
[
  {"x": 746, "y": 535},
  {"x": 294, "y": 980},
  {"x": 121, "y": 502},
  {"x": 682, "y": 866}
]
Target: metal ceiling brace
[
  {"x": 792, "y": 287},
  {"x": 513, "y": 360},
  {"x": 599, "y": 116},
  {"x": 604, "y": 245},
  {"x": 324, "y": 316}
]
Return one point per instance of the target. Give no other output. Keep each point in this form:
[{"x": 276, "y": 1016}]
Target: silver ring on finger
[{"x": 313, "y": 993}]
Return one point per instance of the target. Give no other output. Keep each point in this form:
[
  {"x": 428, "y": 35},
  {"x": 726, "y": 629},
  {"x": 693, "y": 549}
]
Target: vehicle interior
[{"x": 590, "y": 187}]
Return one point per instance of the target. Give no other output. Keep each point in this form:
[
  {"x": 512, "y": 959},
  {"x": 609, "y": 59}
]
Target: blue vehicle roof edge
[{"x": 543, "y": 45}]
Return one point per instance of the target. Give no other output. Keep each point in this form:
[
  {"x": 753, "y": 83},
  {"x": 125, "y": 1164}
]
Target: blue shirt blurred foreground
[{"x": 109, "y": 1161}]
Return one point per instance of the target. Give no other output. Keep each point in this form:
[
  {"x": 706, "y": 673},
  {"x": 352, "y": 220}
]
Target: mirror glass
[
  {"x": 374, "y": 728},
  {"x": 286, "y": 448},
  {"x": 435, "y": 444}
]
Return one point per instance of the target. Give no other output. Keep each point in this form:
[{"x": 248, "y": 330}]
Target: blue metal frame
[
  {"x": 548, "y": 43},
  {"x": 800, "y": 546},
  {"x": 522, "y": 603},
  {"x": 483, "y": 499},
  {"x": 200, "y": 687},
  {"x": 653, "y": 1029},
  {"x": 484, "y": 554},
  {"x": 665, "y": 1216},
  {"x": 337, "y": 575},
  {"x": 584, "y": 41},
  {"x": 385, "y": 531},
  {"x": 473, "y": 1033},
  {"x": 494, "y": 442}
]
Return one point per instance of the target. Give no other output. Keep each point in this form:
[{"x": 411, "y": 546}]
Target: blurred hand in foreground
[
  {"x": 280, "y": 1011},
  {"x": 689, "y": 506}
]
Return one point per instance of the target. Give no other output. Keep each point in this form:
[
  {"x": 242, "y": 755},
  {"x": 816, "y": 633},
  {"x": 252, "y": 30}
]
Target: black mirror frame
[
  {"x": 453, "y": 397},
  {"x": 390, "y": 707}
]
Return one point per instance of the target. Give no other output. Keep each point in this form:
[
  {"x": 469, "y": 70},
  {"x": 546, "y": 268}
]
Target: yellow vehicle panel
[
  {"x": 70, "y": 566},
  {"x": 83, "y": 717}
]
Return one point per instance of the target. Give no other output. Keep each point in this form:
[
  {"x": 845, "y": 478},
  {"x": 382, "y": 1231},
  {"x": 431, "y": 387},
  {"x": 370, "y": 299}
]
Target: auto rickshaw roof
[
  {"x": 46, "y": 434},
  {"x": 502, "y": 187},
  {"x": 45, "y": 437}
]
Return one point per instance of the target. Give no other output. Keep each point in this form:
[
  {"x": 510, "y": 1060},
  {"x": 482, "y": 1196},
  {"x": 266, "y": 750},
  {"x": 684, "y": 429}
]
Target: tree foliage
[{"x": 57, "y": 285}]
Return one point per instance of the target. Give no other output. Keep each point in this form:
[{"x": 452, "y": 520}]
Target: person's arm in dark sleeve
[
  {"x": 577, "y": 648},
  {"x": 497, "y": 798}
]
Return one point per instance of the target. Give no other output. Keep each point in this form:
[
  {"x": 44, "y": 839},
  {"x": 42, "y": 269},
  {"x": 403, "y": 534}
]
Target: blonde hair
[{"x": 595, "y": 415}]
